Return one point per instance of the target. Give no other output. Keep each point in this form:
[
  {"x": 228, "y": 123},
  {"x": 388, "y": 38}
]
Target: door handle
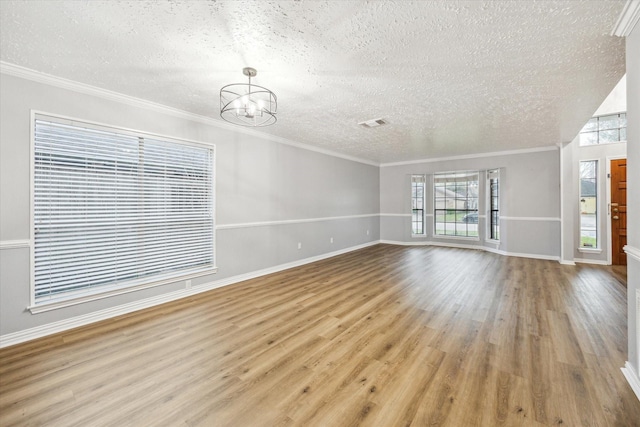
[{"x": 616, "y": 217}]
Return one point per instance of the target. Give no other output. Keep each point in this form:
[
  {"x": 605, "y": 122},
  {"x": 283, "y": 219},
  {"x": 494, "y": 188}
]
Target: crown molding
[
  {"x": 628, "y": 19},
  {"x": 473, "y": 156},
  {"x": 48, "y": 79}
]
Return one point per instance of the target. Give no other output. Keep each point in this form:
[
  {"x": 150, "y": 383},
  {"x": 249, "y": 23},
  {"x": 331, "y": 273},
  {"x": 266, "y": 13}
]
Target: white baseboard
[
  {"x": 477, "y": 247},
  {"x": 457, "y": 245},
  {"x": 632, "y": 378},
  {"x": 524, "y": 255},
  {"x": 86, "y": 319},
  {"x": 431, "y": 243},
  {"x": 563, "y": 262},
  {"x": 397, "y": 243},
  {"x": 590, "y": 261}
]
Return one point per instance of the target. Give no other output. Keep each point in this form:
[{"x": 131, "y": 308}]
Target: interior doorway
[{"x": 618, "y": 209}]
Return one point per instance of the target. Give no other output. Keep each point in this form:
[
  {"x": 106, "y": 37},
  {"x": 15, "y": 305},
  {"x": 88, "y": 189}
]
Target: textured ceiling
[{"x": 450, "y": 77}]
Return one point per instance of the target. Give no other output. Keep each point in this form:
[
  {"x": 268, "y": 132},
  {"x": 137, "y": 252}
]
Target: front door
[{"x": 618, "y": 211}]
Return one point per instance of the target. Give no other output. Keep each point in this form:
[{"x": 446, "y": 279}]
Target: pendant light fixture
[{"x": 247, "y": 104}]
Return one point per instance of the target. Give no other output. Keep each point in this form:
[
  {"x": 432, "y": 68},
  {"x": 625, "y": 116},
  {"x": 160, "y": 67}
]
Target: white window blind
[{"x": 113, "y": 209}]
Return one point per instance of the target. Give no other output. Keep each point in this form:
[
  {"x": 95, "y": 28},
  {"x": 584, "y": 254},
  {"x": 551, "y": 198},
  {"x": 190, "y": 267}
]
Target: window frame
[
  {"x": 490, "y": 210},
  {"x": 423, "y": 209},
  {"x": 597, "y": 131},
  {"x": 598, "y": 247},
  {"x": 476, "y": 237},
  {"x": 126, "y": 286}
]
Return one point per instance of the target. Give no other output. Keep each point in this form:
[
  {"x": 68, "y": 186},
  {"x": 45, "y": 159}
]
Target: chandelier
[{"x": 248, "y": 104}]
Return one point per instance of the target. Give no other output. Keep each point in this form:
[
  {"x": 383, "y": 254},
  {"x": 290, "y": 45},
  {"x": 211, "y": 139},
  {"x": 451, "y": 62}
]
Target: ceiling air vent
[{"x": 373, "y": 123}]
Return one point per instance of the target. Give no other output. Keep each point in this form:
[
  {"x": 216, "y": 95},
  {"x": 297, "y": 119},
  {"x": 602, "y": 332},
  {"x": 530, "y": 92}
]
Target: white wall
[
  {"x": 257, "y": 181},
  {"x": 616, "y": 101},
  {"x": 633, "y": 192},
  {"x": 529, "y": 205}
]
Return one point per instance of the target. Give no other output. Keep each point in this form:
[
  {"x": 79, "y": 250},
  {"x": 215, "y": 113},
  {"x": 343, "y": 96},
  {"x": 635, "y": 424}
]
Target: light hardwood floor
[{"x": 384, "y": 336}]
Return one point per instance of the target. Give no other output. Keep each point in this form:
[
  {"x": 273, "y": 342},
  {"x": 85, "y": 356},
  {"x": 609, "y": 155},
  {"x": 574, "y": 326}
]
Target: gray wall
[
  {"x": 529, "y": 193},
  {"x": 257, "y": 181}
]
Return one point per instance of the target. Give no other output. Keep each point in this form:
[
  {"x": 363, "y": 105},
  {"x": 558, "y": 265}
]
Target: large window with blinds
[{"x": 117, "y": 210}]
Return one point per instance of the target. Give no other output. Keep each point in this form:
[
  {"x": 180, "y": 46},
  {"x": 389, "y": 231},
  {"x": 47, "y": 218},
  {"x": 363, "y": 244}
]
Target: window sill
[
  {"x": 54, "y": 305},
  {"x": 418, "y": 236},
  {"x": 590, "y": 250},
  {"x": 492, "y": 241}
]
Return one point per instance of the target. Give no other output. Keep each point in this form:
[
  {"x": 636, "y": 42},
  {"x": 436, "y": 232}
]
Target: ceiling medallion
[{"x": 247, "y": 104}]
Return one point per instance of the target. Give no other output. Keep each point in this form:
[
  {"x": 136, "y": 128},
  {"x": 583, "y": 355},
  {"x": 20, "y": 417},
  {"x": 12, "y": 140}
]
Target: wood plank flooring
[{"x": 384, "y": 336}]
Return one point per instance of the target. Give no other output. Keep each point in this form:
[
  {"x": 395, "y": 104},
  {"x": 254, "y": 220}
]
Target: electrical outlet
[
  {"x": 367, "y": 232},
  {"x": 188, "y": 284},
  {"x": 299, "y": 245},
  {"x": 331, "y": 240}
]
